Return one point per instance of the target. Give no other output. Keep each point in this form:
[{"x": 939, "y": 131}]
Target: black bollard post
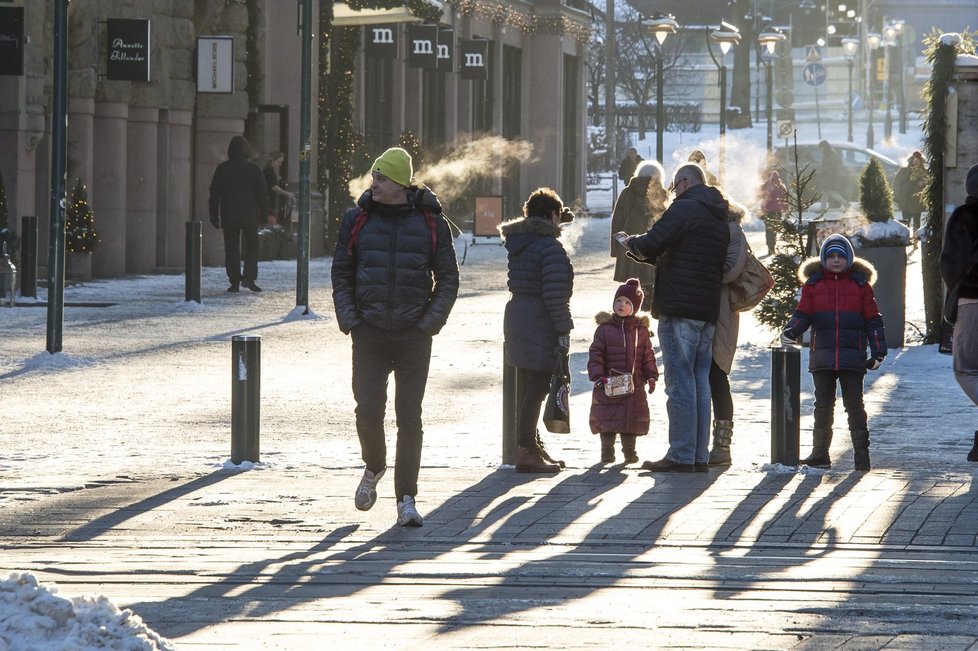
[
  {"x": 192, "y": 262},
  {"x": 785, "y": 404},
  {"x": 28, "y": 256},
  {"x": 245, "y": 397}
]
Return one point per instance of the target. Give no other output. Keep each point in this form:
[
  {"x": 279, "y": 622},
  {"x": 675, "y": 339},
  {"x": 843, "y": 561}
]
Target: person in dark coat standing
[
  {"x": 395, "y": 280},
  {"x": 622, "y": 344},
  {"x": 626, "y": 168},
  {"x": 688, "y": 246},
  {"x": 537, "y": 321},
  {"x": 959, "y": 269},
  {"x": 774, "y": 201},
  {"x": 238, "y": 203},
  {"x": 908, "y": 183},
  {"x": 838, "y": 304}
]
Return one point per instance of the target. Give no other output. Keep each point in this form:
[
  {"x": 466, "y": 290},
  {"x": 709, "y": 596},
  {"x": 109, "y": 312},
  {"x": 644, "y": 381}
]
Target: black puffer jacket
[
  {"x": 541, "y": 280},
  {"x": 959, "y": 256},
  {"x": 688, "y": 247},
  {"x": 238, "y": 192},
  {"x": 396, "y": 273}
]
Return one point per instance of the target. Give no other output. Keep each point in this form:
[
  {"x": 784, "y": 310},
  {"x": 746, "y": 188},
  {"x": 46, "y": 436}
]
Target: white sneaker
[
  {"x": 366, "y": 494},
  {"x": 407, "y": 514}
]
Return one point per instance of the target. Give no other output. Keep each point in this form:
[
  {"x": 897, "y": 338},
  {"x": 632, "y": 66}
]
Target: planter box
[
  {"x": 890, "y": 288},
  {"x": 78, "y": 266}
]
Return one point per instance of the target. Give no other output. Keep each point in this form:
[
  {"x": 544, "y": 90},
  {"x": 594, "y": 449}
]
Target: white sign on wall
[{"x": 215, "y": 64}]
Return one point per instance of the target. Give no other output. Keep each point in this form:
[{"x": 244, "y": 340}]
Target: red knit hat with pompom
[{"x": 632, "y": 290}]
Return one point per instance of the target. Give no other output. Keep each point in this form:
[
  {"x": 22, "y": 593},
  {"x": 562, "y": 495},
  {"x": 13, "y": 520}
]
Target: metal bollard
[
  {"x": 8, "y": 273},
  {"x": 785, "y": 404},
  {"x": 245, "y": 397},
  {"x": 28, "y": 256},
  {"x": 192, "y": 262}
]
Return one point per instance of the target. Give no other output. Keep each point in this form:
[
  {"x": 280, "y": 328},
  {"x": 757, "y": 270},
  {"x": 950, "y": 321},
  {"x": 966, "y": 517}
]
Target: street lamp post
[
  {"x": 873, "y": 42},
  {"x": 660, "y": 26},
  {"x": 768, "y": 40},
  {"x": 889, "y": 41},
  {"x": 726, "y": 36},
  {"x": 849, "y": 46}
]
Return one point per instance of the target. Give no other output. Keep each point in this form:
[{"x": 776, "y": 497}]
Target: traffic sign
[
  {"x": 814, "y": 74},
  {"x": 813, "y": 53},
  {"x": 785, "y": 128},
  {"x": 784, "y": 97}
]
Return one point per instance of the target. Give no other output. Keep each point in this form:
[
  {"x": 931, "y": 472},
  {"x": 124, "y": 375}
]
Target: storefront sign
[
  {"x": 422, "y": 46},
  {"x": 381, "y": 40},
  {"x": 215, "y": 64},
  {"x": 12, "y": 41},
  {"x": 129, "y": 49},
  {"x": 473, "y": 58},
  {"x": 445, "y": 52}
]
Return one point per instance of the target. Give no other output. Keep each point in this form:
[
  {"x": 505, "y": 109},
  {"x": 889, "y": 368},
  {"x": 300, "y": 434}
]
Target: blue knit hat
[{"x": 836, "y": 244}]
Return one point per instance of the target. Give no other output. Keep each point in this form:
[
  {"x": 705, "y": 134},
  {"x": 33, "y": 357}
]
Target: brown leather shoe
[
  {"x": 546, "y": 455},
  {"x": 530, "y": 460}
]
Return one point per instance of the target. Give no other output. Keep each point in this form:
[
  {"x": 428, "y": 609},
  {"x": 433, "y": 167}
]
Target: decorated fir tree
[
  {"x": 792, "y": 235},
  {"x": 80, "y": 235},
  {"x": 875, "y": 196},
  {"x": 410, "y": 143},
  {"x": 3, "y": 205}
]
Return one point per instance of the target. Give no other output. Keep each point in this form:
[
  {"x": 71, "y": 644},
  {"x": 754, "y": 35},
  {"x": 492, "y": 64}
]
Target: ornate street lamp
[
  {"x": 726, "y": 36},
  {"x": 872, "y": 42},
  {"x": 849, "y": 47},
  {"x": 768, "y": 40},
  {"x": 659, "y": 26}
]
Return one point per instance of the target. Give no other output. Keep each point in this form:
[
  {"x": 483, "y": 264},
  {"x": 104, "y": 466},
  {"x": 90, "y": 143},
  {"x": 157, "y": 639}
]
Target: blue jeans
[{"x": 687, "y": 351}]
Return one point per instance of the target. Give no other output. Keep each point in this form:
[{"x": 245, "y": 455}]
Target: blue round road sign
[{"x": 814, "y": 74}]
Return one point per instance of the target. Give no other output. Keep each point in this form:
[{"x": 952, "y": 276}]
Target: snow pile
[
  {"x": 34, "y": 618},
  {"x": 888, "y": 233}
]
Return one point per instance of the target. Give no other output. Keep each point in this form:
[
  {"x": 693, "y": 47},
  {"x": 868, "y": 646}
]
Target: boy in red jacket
[{"x": 838, "y": 304}]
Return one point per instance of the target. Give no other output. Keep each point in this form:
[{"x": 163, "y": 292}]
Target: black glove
[
  {"x": 215, "y": 222},
  {"x": 563, "y": 343},
  {"x": 874, "y": 362}
]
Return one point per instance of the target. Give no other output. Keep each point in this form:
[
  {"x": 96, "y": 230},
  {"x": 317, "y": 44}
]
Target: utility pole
[
  {"x": 305, "y": 153},
  {"x": 610, "y": 114},
  {"x": 59, "y": 165}
]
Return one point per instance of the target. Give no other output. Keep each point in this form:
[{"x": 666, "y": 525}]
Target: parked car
[{"x": 854, "y": 158}]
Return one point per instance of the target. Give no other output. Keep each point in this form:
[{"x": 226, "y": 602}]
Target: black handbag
[{"x": 556, "y": 412}]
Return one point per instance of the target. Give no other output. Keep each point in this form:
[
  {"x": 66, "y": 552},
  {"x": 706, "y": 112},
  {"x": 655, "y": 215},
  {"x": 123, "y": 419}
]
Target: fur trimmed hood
[
  {"x": 529, "y": 225},
  {"x": 861, "y": 270},
  {"x": 604, "y": 316}
]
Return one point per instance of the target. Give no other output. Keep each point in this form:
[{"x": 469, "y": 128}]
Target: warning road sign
[{"x": 813, "y": 53}]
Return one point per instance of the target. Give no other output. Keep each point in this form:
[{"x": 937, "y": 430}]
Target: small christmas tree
[
  {"x": 80, "y": 235},
  {"x": 792, "y": 234},
  {"x": 875, "y": 196}
]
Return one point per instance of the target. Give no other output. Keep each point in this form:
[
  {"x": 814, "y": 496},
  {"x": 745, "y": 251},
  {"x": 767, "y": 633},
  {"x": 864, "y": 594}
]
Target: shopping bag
[{"x": 556, "y": 411}]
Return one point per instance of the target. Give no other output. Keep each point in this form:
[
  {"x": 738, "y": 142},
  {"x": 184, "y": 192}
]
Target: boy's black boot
[
  {"x": 628, "y": 448},
  {"x": 607, "y": 447},
  {"x": 973, "y": 455},
  {"x": 860, "y": 448},
  {"x": 819, "y": 458},
  {"x": 722, "y": 434}
]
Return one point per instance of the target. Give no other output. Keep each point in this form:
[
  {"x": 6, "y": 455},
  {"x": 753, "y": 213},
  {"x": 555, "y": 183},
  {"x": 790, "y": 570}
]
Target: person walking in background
[
  {"x": 698, "y": 157},
  {"x": 959, "y": 269},
  {"x": 725, "y": 341},
  {"x": 395, "y": 280},
  {"x": 774, "y": 201},
  {"x": 688, "y": 245},
  {"x": 626, "y": 168},
  {"x": 622, "y": 345},
  {"x": 537, "y": 321},
  {"x": 238, "y": 203},
  {"x": 639, "y": 206},
  {"x": 908, "y": 183},
  {"x": 278, "y": 196},
  {"x": 830, "y": 180},
  {"x": 838, "y": 304}
]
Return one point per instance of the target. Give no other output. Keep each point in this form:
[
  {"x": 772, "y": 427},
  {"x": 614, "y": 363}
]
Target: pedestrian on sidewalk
[
  {"x": 725, "y": 340},
  {"x": 395, "y": 280},
  {"x": 838, "y": 304},
  {"x": 622, "y": 345},
  {"x": 908, "y": 183},
  {"x": 688, "y": 246},
  {"x": 774, "y": 201},
  {"x": 238, "y": 203},
  {"x": 537, "y": 321},
  {"x": 639, "y": 206},
  {"x": 959, "y": 269},
  {"x": 697, "y": 156},
  {"x": 626, "y": 168}
]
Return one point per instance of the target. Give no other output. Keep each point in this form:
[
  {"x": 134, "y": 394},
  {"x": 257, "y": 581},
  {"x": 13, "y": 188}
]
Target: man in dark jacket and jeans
[
  {"x": 395, "y": 280},
  {"x": 238, "y": 200},
  {"x": 688, "y": 246}
]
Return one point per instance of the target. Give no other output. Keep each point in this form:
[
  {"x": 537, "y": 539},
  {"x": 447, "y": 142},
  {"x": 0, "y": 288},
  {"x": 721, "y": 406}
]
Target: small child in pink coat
[{"x": 622, "y": 344}]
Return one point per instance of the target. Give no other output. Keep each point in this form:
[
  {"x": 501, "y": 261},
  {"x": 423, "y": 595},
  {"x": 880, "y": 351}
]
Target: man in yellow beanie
[{"x": 395, "y": 280}]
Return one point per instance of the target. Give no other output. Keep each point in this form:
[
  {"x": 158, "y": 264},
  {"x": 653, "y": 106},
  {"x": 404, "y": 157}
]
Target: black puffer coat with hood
[
  {"x": 688, "y": 247},
  {"x": 238, "y": 192},
  {"x": 541, "y": 280},
  {"x": 399, "y": 270}
]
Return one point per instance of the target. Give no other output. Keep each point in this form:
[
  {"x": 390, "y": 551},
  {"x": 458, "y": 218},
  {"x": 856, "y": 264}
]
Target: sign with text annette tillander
[
  {"x": 129, "y": 49},
  {"x": 215, "y": 64},
  {"x": 12, "y": 41}
]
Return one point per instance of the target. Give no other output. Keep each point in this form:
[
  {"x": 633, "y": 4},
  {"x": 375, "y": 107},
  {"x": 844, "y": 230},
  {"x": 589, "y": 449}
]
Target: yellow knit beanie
[{"x": 395, "y": 164}]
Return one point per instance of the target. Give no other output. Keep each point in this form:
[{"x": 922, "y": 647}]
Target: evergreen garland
[
  {"x": 80, "y": 235},
  {"x": 875, "y": 196},
  {"x": 941, "y": 56}
]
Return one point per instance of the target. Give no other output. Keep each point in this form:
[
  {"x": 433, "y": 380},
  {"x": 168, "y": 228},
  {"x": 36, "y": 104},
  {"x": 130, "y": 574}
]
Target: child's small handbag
[{"x": 622, "y": 384}]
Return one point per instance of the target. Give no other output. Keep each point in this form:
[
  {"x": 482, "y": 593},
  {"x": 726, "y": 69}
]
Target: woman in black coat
[{"x": 537, "y": 322}]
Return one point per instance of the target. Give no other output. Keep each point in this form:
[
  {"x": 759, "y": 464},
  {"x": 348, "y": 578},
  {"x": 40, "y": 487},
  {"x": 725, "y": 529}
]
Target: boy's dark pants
[
  {"x": 852, "y": 398},
  {"x": 376, "y": 353}
]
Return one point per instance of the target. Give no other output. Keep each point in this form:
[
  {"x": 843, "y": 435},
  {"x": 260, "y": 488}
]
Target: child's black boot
[
  {"x": 628, "y": 448},
  {"x": 973, "y": 455},
  {"x": 819, "y": 458},
  {"x": 607, "y": 447},
  {"x": 860, "y": 449}
]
